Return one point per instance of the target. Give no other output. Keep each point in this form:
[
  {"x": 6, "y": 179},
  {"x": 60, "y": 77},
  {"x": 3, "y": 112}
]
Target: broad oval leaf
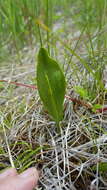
[{"x": 51, "y": 84}]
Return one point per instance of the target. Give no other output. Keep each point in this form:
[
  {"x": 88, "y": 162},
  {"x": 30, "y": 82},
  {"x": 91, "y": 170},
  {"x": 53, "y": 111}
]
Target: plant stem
[{"x": 48, "y": 25}]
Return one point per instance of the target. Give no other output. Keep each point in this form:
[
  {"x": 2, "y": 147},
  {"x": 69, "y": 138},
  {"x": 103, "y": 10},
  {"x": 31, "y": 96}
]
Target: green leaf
[
  {"x": 51, "y": 84},
  {"x": 102, "y": 167},
  {"x": 96, "y": 106},
  {"x": 81, "y": 91},
  {"x": 1, "y": 86}
]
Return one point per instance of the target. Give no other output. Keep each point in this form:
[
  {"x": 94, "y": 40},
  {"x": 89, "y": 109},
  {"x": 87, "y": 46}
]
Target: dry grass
[{"x": 68, "y": 159}]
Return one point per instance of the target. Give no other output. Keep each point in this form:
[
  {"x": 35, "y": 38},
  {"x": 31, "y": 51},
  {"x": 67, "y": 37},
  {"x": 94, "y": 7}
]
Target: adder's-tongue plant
[{"x": 51, "y": 85}]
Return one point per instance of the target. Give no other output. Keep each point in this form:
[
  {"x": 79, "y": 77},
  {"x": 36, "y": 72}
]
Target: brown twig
[
  {"x": 79, "y": 102},
  {"x": 19, "y": 84}
]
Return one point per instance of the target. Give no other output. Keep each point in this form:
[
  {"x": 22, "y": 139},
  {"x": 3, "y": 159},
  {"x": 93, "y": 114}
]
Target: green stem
[
  {"x": 47, "y": 19},
  {"x": 39, "y": 31}
]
